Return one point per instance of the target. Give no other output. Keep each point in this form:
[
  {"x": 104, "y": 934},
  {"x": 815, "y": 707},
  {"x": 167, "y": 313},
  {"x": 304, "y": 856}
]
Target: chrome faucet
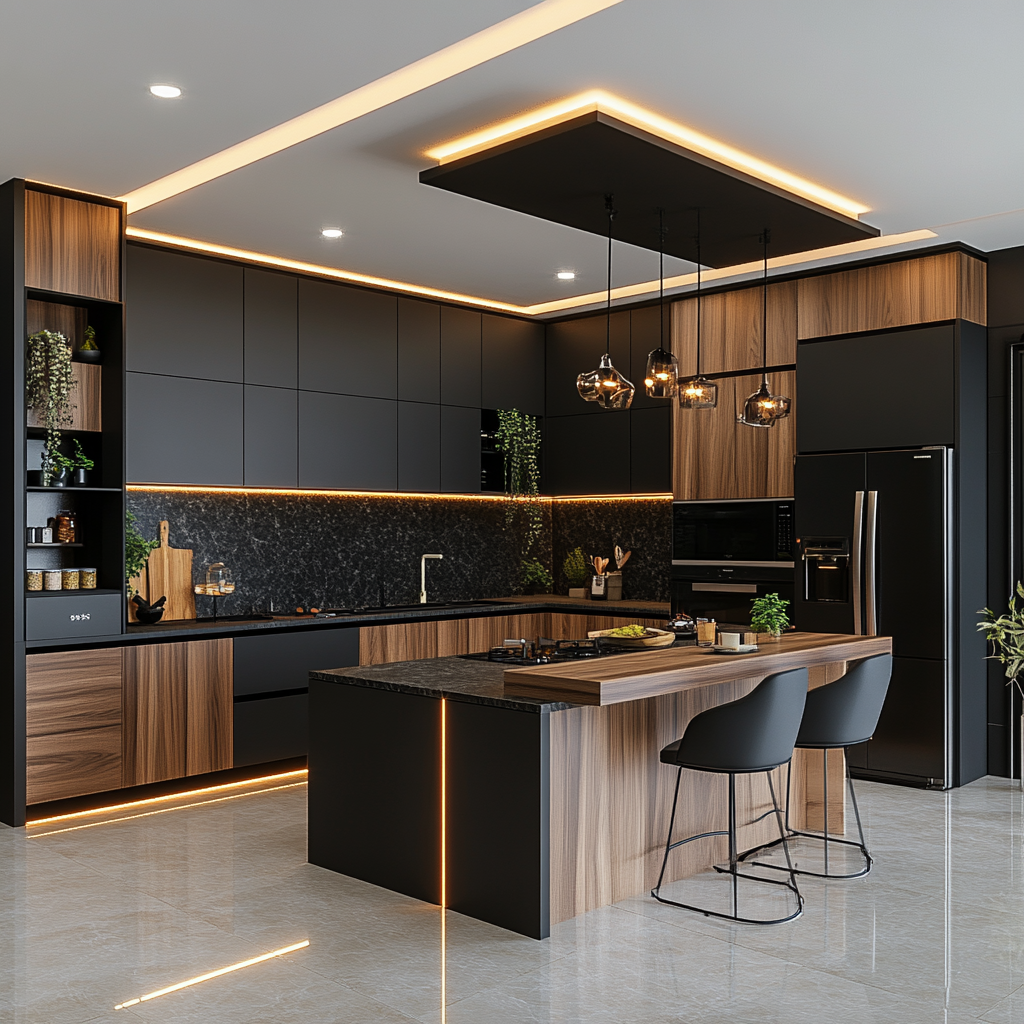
[{"x": 423, "y": 576}]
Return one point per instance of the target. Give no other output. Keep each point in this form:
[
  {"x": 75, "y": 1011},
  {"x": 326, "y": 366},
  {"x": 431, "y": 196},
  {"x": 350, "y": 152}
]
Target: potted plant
[
  {"x": 768, "y": 617},
  {"x": 49, "y": 381},
  {"x": 576, "y": 570},
  {"x": 81, "y": 464},
  {"x": 534, "y": 577},
  {"x": 1006, "y": 635},
  {"x": 59, "y": 468},
  {"x": 88, "y": 352}
]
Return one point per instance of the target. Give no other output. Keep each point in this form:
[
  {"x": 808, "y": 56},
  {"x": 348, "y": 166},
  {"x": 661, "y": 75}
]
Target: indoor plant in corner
[
  {"x": 768, "y": 617},
  {"x": 1006, "y": 634},
  {"x": 49, "y": 381}
]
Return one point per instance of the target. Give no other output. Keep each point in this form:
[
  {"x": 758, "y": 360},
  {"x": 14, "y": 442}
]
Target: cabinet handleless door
[
  {"x": 155, "y": 706},
  {"x": 512, "y": 365},
  {"x": 419, "y": 447},
  {"x": 271, "y": 437},
  {"x": 72, "y": 724},
  {"x": 460, "y": 357},
  {"x": 460, "y": 450},
  {"x": 271, "y": 329},
  {"x": 210, "y": 706}
]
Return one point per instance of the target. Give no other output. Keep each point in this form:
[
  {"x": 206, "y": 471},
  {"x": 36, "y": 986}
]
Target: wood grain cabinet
[
  {"x": 178, "y": 707},
  {"x": 72, "y": 724}
]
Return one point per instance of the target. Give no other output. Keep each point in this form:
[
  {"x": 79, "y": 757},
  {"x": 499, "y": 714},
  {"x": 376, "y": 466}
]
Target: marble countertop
[{"x": 462, "y": 679}]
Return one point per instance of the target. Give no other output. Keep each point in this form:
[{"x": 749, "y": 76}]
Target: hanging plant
[
  {"x": 49, "y": 381},
  {"x": 518, "y": 439}
]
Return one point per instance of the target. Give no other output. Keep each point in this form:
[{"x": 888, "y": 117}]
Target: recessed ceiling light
[
  {"x": 332, "y": 232},
  {"x": 165, "y": 92},
  {"x": 566, "y": 275}
]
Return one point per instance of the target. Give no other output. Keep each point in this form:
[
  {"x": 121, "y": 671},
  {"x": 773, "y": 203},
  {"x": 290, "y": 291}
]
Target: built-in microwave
[{"x": 742, "y": 532}]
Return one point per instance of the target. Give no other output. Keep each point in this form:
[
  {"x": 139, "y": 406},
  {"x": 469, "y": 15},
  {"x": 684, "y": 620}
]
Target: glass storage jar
[
  {"x": 66, "y": 527},
  {"x": 33, "y": 579},
  {"x": 87, "y": 579},
  {"x": 51, "y": 579},
  {"x": 69, "y": 579}
]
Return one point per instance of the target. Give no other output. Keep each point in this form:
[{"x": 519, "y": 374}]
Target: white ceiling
[{"x": 914, "y": 107}]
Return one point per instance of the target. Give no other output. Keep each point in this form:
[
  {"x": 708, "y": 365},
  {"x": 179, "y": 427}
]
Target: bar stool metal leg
[{"x": 733, "y": 868}]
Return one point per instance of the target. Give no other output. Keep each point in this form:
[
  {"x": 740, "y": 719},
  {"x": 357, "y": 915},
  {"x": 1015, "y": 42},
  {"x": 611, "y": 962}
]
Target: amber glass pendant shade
[
  {"x": 698, "y": 393},
  {"x": 613, "y": 390},
  {"x": 762, "y": 408},
  {"x": 662, "y": 374}
]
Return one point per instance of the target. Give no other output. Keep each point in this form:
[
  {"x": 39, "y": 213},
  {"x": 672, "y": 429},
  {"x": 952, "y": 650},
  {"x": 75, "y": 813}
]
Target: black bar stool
[
  {"x": 839, "y": 715},
  {"x": 753, "y": 734}
]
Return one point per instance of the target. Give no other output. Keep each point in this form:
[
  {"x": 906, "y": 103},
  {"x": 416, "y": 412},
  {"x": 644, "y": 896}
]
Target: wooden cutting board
[{"x": 169, "y": 573}]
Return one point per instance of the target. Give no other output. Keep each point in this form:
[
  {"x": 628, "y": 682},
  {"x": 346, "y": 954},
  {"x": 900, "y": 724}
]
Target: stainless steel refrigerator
[{"x": 876, "y": 534}]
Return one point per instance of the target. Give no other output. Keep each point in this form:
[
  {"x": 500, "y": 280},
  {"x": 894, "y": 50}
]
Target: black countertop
[{"x": 461, "y": 679}]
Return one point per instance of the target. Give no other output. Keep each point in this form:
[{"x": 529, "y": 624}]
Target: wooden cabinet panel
[
  {"x": 731, "y": 329},
  {"x": 72, "y": 246},
  {"x": 916, "y": 291},
  {"x": 155, "y": 711},
  {"x": 399, "y": 641},
  {"x": 782, "y": 440},
  {"x": 73, "y": 724},
  {"x": 209, "y": 706}
]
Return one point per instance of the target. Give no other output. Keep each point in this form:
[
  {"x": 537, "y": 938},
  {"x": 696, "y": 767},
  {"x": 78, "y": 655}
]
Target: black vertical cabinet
[
  {"x": 419, "y": 351},
  {"x": 271, "y": 436},
  {"x": 460, "y": 449},
  {"x": 271, "y": 329},
  {"x": 460, "y": 357},
  {"x": 419, "y": 447},
  {"x": 512, "y": 365}
]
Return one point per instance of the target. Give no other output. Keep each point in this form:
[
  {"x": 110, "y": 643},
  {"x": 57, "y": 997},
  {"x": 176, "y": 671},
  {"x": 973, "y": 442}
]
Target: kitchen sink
[{"x": 429, "y": 604}]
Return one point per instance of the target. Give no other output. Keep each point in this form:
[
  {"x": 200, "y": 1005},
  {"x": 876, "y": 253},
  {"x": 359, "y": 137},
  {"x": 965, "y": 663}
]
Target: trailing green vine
[{"x": 49, "y": 381}]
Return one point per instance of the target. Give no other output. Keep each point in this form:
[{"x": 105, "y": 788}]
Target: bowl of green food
[{"x": 635, "y": 635}]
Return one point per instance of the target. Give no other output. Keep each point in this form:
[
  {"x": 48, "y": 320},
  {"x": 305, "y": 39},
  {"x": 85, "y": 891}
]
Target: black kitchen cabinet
[
  {"x": 575, "y": 347},
  {"x": 587, "y": 455},
  {"x": 271, "y": 328},
  {"x": 347, "y": 442},
  {"x": 460, "y": 449},
  {"x": 281, "y": 662},
  {"x": 271, "y": 729},
  {"x": 904, "y": 383},
  {"x": 419, "y": 447},
  {"x": 512, "y": 365},
  {"x": 348, "y": 340},
  {"x": 419, "y": 351},
  {"x": 460, "y": 357},
  {"x": 645, "y": 335},
  {"x": 199, "y": 333},
  {"x": 183, "y": 431},
  {"x": 650, "y": 450},
  {"x": 271, "y": 417}
]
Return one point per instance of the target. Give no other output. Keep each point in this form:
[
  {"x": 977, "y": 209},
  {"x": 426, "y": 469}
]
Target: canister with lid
[
  {"x": 51, "y": 579},
  {"x": 87, "y": 579},
  {"x": 69, "y": 579}
]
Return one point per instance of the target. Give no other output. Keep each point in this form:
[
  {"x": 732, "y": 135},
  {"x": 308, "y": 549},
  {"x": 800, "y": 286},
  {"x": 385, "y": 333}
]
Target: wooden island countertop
[{"x": 637, "y": 675}]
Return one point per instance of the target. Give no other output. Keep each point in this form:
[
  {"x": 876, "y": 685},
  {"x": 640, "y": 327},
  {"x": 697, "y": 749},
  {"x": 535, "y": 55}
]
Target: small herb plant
[
  {"x": 80, "y": 460},
  {"x": 136, "y": 551},
  {"x": 768, "y": 615},
  {"x": 49, "y": 381},
  {"x": 89, "y": 345},
  {"x": 1006, "y": 635},
  {"x": 576, "y": 569},
  {"x": 533, "y": 574}
]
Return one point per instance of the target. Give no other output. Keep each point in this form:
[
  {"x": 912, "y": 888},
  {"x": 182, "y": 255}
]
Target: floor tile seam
[{"x": 1008, "y": 996}]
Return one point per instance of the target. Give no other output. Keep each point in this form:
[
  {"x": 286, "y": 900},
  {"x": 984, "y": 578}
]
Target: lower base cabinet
[{"x": 271, "y": 729}]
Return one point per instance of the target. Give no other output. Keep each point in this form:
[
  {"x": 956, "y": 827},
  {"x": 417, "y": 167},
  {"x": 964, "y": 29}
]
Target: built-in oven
[{"x": 725, "y": 554}]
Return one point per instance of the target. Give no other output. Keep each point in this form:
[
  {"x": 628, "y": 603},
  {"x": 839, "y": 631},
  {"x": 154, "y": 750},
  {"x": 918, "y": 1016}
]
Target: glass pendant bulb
[
  {"x": 763, "y": 408},
  {"x": 698, "y": 393},
  {"x": 662, "y": 374}
]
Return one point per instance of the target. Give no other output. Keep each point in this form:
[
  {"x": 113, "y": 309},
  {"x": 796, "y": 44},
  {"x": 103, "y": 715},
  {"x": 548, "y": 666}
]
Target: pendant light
[
  {"x": 662, "y": 377},
  {"x": 763, "y": 408},
  {"x": 606, "y": 385},
  {"x": 698, "y": 392}
]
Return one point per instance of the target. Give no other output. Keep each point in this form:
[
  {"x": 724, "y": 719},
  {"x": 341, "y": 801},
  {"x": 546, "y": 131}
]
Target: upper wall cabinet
[
  {"x": 72, "y": 246},
  {"x": 348, "y": 340},
  {"x": 460, "y": 357},
  {"x": 731, "y": 329},
  {"x": 419, "y": 351},
  {"x": 576, "y": 346},
  {"x": 948, "y": 286},
  {"x": 184, "y": 315},
  {"x": 512, "y": 365},
  {"x": 271, "y": 329}
]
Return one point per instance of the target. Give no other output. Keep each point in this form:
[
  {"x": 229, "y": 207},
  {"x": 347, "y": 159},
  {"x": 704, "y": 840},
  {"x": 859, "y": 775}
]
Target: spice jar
[
  {"x": 33, "y": 579},
  {"x": 87, "y": 579},
  {"x": 66, "y": 527},
  {"x": 51, "y": 579},
  {"x": 69, "y": 579}
]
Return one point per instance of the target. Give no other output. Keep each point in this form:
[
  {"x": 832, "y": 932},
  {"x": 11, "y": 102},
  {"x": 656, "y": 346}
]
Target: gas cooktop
[{"x": 544, "y": 652}]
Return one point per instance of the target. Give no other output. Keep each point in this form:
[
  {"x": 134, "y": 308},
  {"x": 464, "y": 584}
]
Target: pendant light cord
[
  {"x": 765, "y": 238},
  {"x": 608, "y": 316},
  {"x": 698, "y": 293},
  {"x": 661, "y": 275}
]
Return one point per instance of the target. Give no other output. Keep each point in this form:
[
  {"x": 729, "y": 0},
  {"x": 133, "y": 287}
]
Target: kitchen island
[{"x": 500, "y": 794}]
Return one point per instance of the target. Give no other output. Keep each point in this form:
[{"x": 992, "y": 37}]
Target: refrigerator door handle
[
  {"x": 858, "y": 560},
  {"x": 870, "y": 581}
]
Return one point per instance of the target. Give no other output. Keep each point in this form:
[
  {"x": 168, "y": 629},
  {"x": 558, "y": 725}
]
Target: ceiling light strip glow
[
  {"x": 671, "y": 131},
  {"x": 213, "y": 974},
  {"x": 165, "y": 810},
  {"x": 634, "y": 291},
  {"x": 261, "y": 780},
  {"x": 510, "y": 34}
]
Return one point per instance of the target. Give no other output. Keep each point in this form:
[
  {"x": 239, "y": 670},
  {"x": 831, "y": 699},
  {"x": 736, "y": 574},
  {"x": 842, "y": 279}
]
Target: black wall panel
[
  {"x": 183, "y": 431},
  {"x": 271, "y": 418},
  {"x": 271, "y": 329},
  {"x": 419, "y": 351},
  {"x": 184, "y": 315},
  {"x": 650, "y": 450},
  {"x": 348, "y": 340},
  {"x": 576, "y": 346},
  {"x": 460, "y": 357},
  {"x": 347, "y": 442},
  {"x": 512, "y": 365},
  {"x": 460, "y": 449},
  {"x": 419, "y": 447},
  {"x": 587, "y": 454}
]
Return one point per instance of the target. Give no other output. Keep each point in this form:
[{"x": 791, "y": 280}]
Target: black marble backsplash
[{"x": 351, "y": 551}]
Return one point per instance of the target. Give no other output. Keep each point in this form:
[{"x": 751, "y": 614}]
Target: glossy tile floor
[{"x": 95, "y": 917}]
